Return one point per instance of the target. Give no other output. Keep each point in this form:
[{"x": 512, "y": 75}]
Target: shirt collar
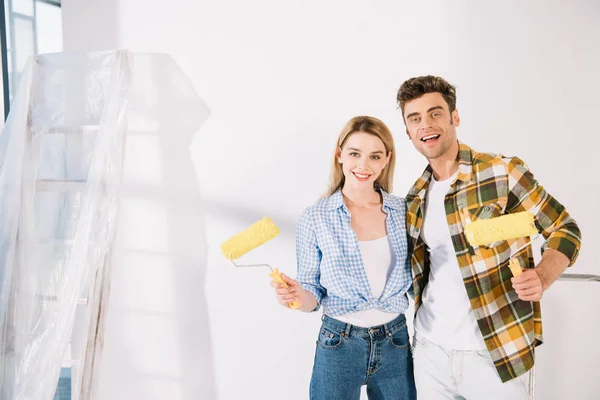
[
  {"x": 465, "y": 171},
  {"x": 336, "y": 200}
]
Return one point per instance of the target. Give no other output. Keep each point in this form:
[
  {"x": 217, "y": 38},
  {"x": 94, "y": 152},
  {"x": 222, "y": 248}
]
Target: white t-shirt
[
  {"x": 377, "y": 261},
  {"x": 445, "y": 316}
]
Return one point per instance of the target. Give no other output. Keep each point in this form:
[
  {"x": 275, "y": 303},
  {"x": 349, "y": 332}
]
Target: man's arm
[
  {"x": 563, "y": 237},
  {"x": 551, "y": 267}
]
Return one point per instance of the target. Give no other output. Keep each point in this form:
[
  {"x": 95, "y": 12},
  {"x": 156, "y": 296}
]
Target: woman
[{"x": 351, "y": 250}]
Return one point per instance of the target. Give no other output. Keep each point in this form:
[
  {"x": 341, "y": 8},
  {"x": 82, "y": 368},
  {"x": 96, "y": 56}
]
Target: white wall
[
  {"x": 90, "y": 24},
  {"x": 281, "y": 79}
]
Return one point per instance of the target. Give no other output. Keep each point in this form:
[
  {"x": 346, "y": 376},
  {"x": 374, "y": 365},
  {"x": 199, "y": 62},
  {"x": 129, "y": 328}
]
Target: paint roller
[
  {"x": 506, "y": 227},
  {"x": 256, "y": 235}
]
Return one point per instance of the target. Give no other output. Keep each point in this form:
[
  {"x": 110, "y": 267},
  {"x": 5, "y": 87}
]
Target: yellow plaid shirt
[{"x": 488, "y": 186}]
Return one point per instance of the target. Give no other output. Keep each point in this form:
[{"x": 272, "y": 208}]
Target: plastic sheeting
[{"x": 61, "y": 158}]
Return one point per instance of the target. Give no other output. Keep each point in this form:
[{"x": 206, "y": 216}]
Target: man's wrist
[{"x": 552, "y": 265}]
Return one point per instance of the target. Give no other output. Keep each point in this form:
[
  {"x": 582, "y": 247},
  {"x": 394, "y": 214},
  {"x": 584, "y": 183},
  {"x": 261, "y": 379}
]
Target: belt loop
[
  {"x": 322, "y": 317},
  {"x": 347, "y": 331},
  {"x": 387, "y": 330}
]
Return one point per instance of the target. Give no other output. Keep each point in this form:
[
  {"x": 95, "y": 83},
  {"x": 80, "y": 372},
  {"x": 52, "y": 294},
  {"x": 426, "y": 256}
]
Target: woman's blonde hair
[{"x": 372, "y": 126}]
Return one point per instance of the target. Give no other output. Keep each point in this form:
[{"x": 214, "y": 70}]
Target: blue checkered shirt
[{"x": 330, "y": 265}]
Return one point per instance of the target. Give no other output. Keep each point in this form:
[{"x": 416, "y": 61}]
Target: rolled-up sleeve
[
  {"x": 308, "y": 257},
  {"x": 552, "y": 219}
]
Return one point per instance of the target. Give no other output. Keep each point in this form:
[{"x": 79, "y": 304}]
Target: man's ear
[{"x": 455, "y": 118}]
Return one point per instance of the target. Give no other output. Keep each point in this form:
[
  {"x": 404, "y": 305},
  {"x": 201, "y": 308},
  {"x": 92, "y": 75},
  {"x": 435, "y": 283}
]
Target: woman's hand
[{"x": 294, "y": 292}]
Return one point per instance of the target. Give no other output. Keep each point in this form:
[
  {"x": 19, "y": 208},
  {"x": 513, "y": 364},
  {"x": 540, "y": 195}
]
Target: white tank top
[
  {"x": 377, "y": 262},
  {"x": 445, "y": 316}
]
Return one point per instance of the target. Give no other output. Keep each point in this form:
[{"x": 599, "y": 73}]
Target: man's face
[{"x": 430, "y": 125}]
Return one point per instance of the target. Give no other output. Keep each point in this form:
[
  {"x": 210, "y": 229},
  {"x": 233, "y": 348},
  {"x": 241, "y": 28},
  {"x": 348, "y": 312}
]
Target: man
[{"x": 476, "y": 326}]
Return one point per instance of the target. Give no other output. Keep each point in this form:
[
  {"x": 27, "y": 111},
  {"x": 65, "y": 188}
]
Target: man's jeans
[
  {"x": 349, "y": 357},
  {"x": 459, "y": 374}
]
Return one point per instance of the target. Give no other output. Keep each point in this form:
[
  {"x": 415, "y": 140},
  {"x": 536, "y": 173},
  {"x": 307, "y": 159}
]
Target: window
[{"x": 28, "y": 27}]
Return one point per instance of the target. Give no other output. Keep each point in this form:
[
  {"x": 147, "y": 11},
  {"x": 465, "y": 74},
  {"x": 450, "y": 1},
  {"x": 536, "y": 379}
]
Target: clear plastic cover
[{"x": 61, "y": 156}]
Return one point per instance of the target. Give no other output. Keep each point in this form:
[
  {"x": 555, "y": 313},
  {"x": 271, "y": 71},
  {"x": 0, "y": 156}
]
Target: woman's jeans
[{"x": 348, "y": 357}]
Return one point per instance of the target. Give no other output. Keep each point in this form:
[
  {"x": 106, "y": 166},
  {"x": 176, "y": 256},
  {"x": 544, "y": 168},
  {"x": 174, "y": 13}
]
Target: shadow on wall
[{"x": 157, "y": 341}]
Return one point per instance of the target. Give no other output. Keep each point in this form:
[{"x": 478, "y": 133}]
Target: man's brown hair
[{"x": 416, "y": 87}]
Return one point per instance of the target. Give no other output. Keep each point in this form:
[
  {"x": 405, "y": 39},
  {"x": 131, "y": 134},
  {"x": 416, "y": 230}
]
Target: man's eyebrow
[
  {"x": 430, "y": 110},
  {"x": 435, "y": 108}
]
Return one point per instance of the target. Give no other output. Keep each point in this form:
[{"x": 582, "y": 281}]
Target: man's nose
[{"x": 426, "y": 122}]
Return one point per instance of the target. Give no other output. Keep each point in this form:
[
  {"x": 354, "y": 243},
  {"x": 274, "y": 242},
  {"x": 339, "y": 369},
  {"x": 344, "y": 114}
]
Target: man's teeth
[{"x": 426, "y": 138}]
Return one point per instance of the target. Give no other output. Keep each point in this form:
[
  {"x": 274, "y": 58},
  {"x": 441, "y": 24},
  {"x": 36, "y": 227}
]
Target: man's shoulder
[
  {"x": 492, "y": 159},
  {"x": 500, "y": 163},
  {"x": 487, "y": 158}
]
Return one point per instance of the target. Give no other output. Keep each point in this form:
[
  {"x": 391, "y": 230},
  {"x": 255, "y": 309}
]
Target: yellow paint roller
[
  {"x": 256, "y": 235},
  {"x": 506, "y": 227}
]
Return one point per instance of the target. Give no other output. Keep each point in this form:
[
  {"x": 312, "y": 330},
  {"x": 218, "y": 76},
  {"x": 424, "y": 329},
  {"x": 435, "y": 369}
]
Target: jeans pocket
[
  {"x": 399, "y": 338},
  {"x": 329, "y": 339}
]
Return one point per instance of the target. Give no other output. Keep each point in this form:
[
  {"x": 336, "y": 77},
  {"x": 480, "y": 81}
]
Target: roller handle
[
  {"x": 515, "y": 267},
  {"x": 276, "y": 276}
]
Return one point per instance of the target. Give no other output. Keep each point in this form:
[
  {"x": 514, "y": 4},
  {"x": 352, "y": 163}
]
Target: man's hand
[{"x": 528, "y": 285}]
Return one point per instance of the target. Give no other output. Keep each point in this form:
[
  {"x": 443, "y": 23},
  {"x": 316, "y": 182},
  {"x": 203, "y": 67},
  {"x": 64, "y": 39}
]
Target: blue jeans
[{"x": 348, "y": 357}]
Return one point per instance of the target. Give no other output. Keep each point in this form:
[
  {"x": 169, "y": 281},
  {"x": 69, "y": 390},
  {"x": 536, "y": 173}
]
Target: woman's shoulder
[
  {"x": 325, "y": 203},
  {"x": 317, "y": 210},
  {"x": 393, "y": 201}
]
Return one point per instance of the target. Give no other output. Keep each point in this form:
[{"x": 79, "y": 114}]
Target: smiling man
[{"x": 476, "y": 326}]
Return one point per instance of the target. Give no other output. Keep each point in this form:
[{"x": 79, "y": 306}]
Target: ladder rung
[
  {"x": 74, "y": 129},
  {"x": 52, "y": 298},
  {"x": 56, "y": 242},
  {"x": 50, "y": 185}
]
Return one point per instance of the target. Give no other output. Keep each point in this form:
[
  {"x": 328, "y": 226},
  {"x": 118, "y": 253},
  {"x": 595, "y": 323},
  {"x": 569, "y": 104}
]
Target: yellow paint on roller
[
  {"x": 506, "y": 227},
  {"x": 515, "y": 267},
  {"x": 257, "y": 234}
]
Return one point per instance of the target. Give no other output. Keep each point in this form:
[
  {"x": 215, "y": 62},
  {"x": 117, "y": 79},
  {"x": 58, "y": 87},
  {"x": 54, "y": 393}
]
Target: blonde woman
[{"x": 353, "y": 261}]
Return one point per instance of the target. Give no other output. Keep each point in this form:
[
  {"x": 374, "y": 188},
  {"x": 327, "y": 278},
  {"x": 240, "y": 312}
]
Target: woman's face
[{"x": 363, "y": 157}]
